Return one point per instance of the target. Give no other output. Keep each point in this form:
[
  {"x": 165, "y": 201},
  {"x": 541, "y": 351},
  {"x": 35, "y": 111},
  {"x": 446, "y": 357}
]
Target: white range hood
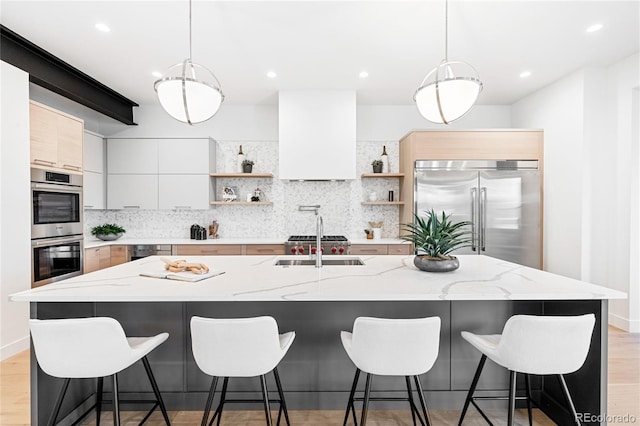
[{"x": 317, "y": 134}]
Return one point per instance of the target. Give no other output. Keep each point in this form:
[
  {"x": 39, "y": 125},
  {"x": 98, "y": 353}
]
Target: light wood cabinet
[
  {"x": 207, "y": 249},
  {"x": 97, "y": 258},
  {"x": 368, "y": 249},
  {"x": 55, "y": 139},
  {"x": 380, "y": 249},
  {"x": 118, "y": 255},
  {"x": 264, "y": 249}
]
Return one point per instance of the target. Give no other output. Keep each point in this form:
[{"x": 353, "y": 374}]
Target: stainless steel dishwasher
[{"x": 138, "y": 251}]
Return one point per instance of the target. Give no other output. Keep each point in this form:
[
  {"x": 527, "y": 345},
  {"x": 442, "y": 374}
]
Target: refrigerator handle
[
  {"x": 474, "y": 196},
  {"x": 483, "y": 217}
]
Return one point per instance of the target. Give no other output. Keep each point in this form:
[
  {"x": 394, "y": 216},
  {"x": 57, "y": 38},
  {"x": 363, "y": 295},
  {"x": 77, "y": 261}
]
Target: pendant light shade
[
  {"x": 449, "y": 90},
  {"x": 189, "y": 92}
]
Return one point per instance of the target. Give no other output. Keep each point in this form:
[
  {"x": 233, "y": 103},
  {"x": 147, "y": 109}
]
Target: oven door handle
[
  {"x": 57, "y": 241},
  {"x": 57, "y": 188}
]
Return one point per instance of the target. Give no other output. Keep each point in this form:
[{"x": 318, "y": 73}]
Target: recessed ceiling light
[
  {"x": 156, "y": 74},
  {"x": 102, "y": 27},
  {"x": 525, "y": 74},
  {"x": 363, "y": 74},
  {"x": 593, "y": 28},
  {"x": 272, "y": 74}
]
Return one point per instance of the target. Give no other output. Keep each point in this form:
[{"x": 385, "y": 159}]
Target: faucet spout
[{"x": 319, "y": 231}]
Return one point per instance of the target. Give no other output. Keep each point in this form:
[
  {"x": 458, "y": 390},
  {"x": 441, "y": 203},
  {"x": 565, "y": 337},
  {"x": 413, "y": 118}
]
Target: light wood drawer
[
  {"x": 368, "y": 249},
  {"x": 399, "y": 248},
  {"x": 264, "y": 249},
  {"x": 208, "y": 249}
]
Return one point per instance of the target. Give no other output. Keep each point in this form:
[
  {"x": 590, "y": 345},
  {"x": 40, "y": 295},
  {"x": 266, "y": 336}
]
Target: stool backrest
[
  {"x": 546, "y": 344},
  {"x": 236, "y": 347},
  {"x": 80, "y": 347},
  {"x": 395, "y": 347}
]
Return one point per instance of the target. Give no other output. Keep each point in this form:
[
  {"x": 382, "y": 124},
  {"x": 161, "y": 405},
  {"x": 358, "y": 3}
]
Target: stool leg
[
  {"x": 565, "y": 390},
  {"x": 223, "y": 398},
  {"x": 56, "y": 409},
  {"x": 512, "y": 397},
  {"x": 412, "y": 405},
  {"x": 265, "y": 396},
  {"x": 283, "y": 404},
  {"x": 116, "y": 402},
  {"x": 207, "y": 407},
  {"x": 528, "y": 389},
  {"x": 472, "y": 389},
  {"x": 365, "y": 403},
  {"x": 350, "y": 406},
  {"x": 99, "y": 399},
  {"x": 423, "y": 402},
  {"x": 156, "y": 390}
]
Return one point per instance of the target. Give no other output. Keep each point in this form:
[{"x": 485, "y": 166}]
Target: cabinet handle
[
  {"x": 130, "y": 207},
  {"x": 369, "y": 250},
  {"x": 182, "y": 207},
  {"x": 72, "y": 167},
  {"x": 209, "y": 251},
  {"x": 35, "y": 160},
  {"x": 265, "y": 250}
]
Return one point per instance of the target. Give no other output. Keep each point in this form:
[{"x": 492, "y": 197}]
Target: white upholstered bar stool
[
  {"x": 240, "y": 347},
  {"x": 540, "y": 345},
  {"x": 83, "y": 348},
  {"x": 391, "y": 347}
]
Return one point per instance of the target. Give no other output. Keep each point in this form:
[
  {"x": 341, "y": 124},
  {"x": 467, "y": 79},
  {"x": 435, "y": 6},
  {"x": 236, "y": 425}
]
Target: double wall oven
[{"x": 56, "y": 226}]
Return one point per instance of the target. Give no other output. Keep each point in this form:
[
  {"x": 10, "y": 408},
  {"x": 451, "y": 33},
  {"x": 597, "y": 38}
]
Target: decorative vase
[
  {"x": 108, "y": 237},
  {"x": 428, "y": 264},
  {"x": 246, "y": 168},
  {"x": 377, "y": 169},
  {"x": 385, "y": 160},
  {"x": 240, "y": 159}
]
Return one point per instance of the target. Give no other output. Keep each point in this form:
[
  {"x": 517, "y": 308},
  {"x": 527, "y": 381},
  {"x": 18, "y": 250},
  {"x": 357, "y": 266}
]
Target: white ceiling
[{"x": 325, "y": 44}]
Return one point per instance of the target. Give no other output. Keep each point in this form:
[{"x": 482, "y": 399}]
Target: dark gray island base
[{"x": 316, "y": 373}]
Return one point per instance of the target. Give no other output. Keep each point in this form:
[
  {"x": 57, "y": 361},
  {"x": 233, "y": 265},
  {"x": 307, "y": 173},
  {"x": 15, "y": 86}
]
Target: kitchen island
[{"x": 317, "y": 304}]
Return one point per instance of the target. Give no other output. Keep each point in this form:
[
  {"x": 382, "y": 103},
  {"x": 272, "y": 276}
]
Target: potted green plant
[
  {"x": 377, "y": 166},
  {"x": 247, "y": 166},
  {"x": 108, "y": 231},
  {"x": 434, "y": 238}
]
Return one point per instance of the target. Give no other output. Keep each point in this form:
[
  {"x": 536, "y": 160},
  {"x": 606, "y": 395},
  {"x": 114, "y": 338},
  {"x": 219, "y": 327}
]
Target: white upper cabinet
[
  {"x": 93, "y": 173},
  {"x": 93, "y": 152},
  {"x": 317, "y": 134},
  {"x": 132, "y": 191},
  {"x": 132, "y": 156},
  {"x": 188, "y": 192},
  {"x": 183, "y": 156}
]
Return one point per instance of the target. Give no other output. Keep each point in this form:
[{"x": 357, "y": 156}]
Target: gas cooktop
[{"x": 311, "y": 238}]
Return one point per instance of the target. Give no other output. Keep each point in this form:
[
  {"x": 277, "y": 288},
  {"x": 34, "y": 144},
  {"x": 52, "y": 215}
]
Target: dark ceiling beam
[{"x": 52, "y": 73}]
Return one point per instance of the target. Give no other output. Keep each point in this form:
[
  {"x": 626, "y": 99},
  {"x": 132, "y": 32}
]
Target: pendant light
[
  {"x": 449, "y": 91},
  {"x": 189, "y": 92}
]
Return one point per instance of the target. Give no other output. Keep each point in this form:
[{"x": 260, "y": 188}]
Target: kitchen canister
[{"x": 377, "y": 233}]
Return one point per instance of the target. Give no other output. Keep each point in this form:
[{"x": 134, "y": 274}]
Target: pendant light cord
[
  {"x": 190, "y": 52},
  {"x": 446, "y": 30}
]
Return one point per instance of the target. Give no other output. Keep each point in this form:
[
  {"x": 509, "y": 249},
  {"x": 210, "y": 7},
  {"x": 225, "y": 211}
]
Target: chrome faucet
[{"x": 319, "y": 231}]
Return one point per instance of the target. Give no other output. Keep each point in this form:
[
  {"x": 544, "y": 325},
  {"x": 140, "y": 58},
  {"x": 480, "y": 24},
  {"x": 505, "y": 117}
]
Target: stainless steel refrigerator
[{"x": 500, "y": 198}]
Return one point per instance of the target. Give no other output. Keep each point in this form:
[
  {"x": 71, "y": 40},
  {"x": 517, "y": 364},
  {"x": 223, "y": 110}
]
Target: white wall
[
  {"x": 558, "y": 109},
  {"x": 15, "y": 230},
  {"x": 592, "y": 185}
]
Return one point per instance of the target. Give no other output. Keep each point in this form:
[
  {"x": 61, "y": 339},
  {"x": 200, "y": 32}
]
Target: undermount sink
[{"x": 349, "y": 261}]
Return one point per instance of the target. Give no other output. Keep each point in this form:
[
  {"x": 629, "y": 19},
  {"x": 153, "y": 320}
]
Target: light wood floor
[{"x": 624, "y": 397}]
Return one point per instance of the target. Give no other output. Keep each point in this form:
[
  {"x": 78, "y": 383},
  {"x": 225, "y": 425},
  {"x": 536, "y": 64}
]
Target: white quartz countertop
[
  {"x": 93, "y": 242},
  {"x": 255, "y": 278}
]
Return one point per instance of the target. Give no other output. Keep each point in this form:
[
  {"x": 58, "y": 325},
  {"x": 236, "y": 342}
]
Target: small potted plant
[
  {"x": 377, "y": 166},
  {"x": 108, "y": 231},
  {"x": 433, "y": 240},
  {"x": 247, "y": 166}
]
